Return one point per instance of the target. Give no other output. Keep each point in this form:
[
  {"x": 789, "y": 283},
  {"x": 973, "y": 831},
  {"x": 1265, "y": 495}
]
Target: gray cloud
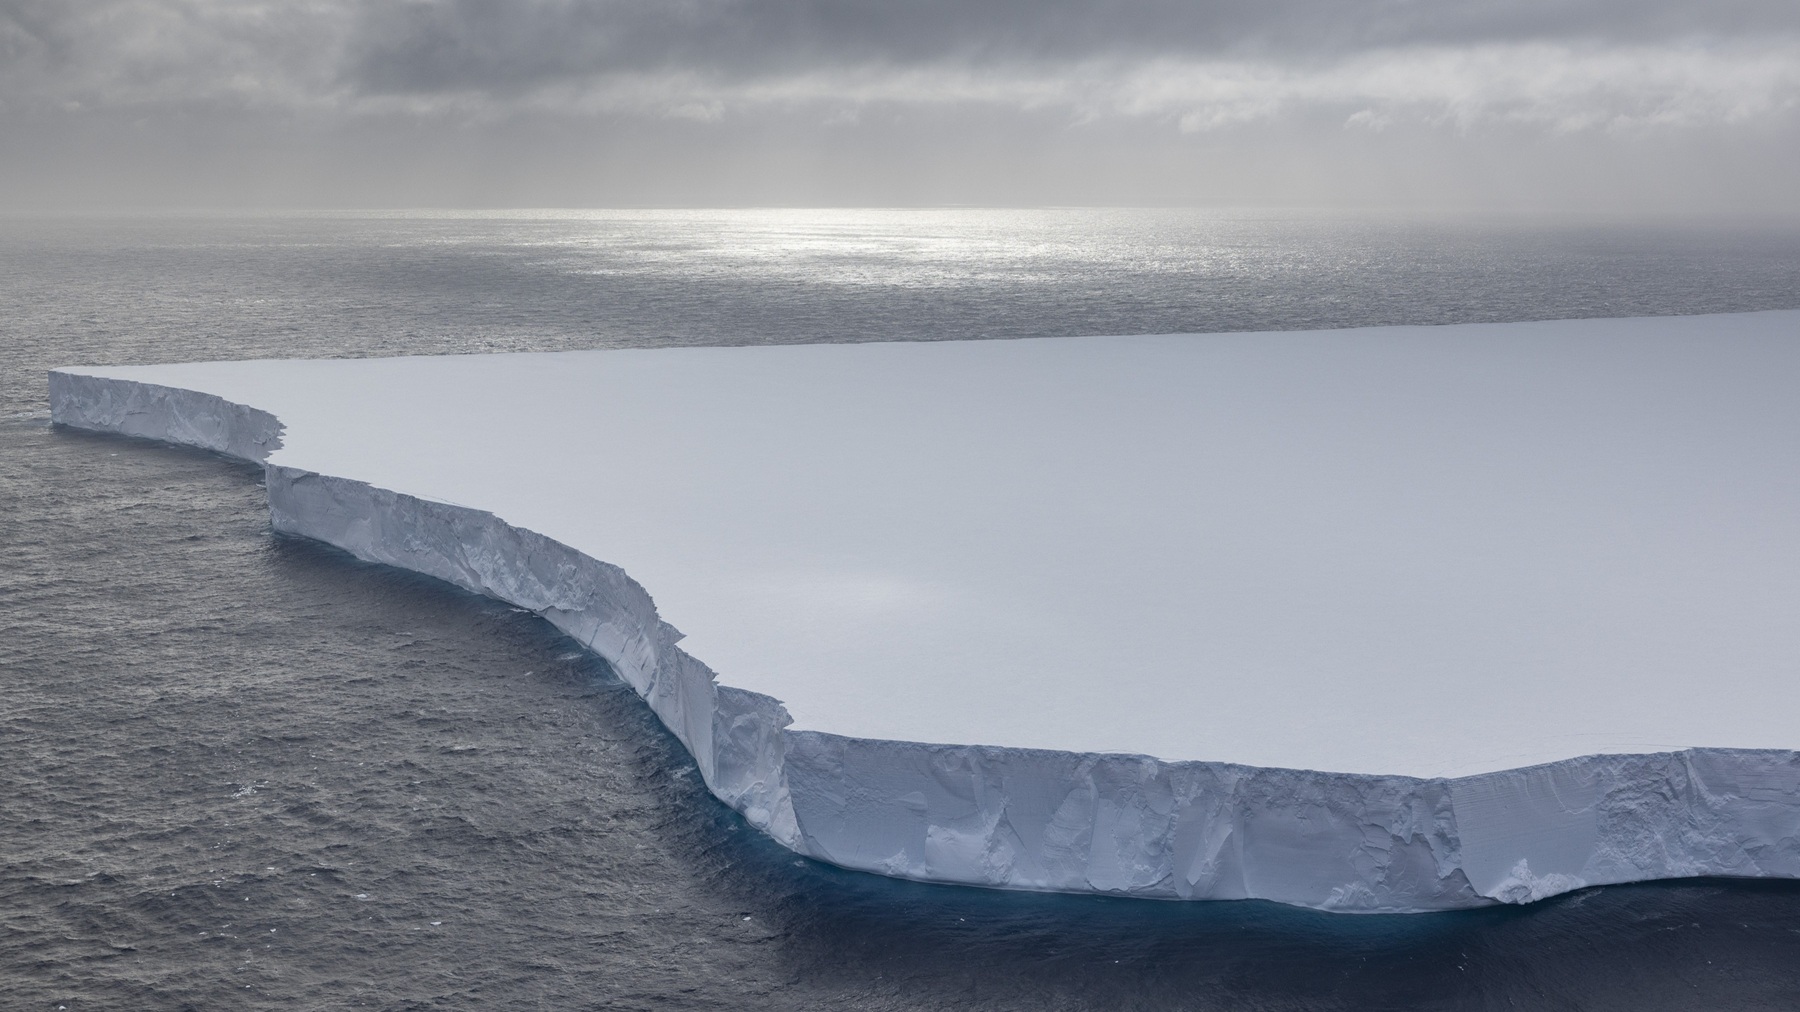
[
  {"x": 508, "y": 44},
  {"x": 1249, "y": 82},
  {"x": 341, "y": 51}
]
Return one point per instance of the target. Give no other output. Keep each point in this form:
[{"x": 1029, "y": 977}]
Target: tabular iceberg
[{"x": 1395, "y": 619}]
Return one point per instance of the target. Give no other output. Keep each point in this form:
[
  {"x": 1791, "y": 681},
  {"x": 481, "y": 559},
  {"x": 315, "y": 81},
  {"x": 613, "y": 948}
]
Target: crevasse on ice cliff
[{"x": 1039, "y": 819}]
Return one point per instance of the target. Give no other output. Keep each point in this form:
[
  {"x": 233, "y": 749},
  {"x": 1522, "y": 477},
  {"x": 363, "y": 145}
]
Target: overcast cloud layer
[{"x": 1657, "y": 103}]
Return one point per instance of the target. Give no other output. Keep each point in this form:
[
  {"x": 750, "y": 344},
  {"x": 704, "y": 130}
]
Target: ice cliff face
[{"x": 1035, "y": 819}]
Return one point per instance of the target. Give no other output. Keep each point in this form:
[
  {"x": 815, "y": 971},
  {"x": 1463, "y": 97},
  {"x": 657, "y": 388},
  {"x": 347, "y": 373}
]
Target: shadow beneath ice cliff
[
  {"x": 354, "y": 753},
  {"x": 1675, "y": 944},
  {"x": 839, "y": 935}
]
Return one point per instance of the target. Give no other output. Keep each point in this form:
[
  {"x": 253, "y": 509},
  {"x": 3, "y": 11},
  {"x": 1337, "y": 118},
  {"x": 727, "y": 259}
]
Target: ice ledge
[{"x": 1034, "y": 819}]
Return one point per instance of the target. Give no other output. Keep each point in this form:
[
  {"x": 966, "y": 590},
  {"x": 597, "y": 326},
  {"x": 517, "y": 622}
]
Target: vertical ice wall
[{"x": 1037, "y": 819}]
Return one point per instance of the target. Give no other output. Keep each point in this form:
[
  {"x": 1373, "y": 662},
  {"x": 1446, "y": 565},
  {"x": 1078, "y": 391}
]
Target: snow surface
[{"x": 1400, "y": 552}]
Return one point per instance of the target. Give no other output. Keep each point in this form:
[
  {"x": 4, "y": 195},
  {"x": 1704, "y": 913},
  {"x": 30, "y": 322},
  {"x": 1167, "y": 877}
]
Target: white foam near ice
[{"x": 1382, "y": 619}]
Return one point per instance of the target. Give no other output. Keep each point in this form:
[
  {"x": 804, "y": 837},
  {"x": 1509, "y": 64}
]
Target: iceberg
[{"x": 1377, "y": 620}]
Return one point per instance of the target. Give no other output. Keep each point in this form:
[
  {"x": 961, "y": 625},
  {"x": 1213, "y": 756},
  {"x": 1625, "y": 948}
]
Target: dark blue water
[{"x": 247, "y": 772}]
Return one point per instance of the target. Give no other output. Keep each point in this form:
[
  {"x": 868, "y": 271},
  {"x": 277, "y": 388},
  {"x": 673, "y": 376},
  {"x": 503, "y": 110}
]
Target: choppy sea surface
[{"x": 240, "y": 771}]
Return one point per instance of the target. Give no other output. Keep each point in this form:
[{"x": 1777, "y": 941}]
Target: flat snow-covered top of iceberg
[{"x": 1424, "y": 551}]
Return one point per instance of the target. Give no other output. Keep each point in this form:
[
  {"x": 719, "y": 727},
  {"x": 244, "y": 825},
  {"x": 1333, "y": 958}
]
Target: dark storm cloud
[
  {"x": 1565, "y": 65},
  {"x": 973, "y": 97},
  {"x": 508, "y": 45},
  {"x": 262, "y": 52}
]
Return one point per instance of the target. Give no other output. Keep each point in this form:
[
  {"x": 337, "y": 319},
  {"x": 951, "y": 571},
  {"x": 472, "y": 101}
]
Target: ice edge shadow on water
[{"x": 843, "y": 931}]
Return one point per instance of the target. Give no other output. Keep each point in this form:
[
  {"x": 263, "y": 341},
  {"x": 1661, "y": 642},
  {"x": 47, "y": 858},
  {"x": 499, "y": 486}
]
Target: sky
[{"x": 1541, "y": 105}]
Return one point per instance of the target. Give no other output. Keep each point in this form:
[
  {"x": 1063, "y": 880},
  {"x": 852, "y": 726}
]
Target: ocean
[{"x": 239, "y": 771}]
